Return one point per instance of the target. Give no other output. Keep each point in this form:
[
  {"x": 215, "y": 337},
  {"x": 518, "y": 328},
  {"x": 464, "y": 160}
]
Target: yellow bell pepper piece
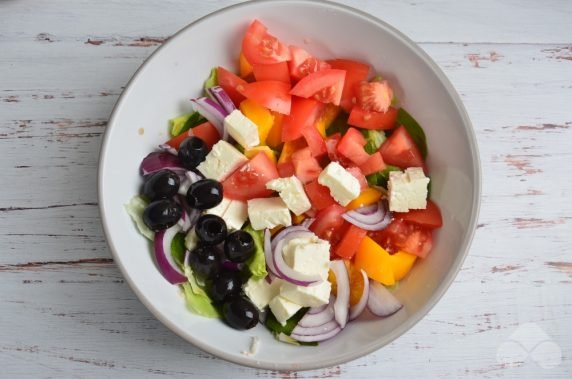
[
  {"x": 276, "y": 229},
  {"x": 244, "y": 67},
  {"x": 274, "y": 138},
  {"x": 296, "y": 220},
  {"x": 328, "y": 116},
  {"x": 366, "y": 197},
  {"x": 253, "y": 151},
  {"x": 261, "y": 116},
  {"x": 289, "y": 148},
  {"x": 375, "y": 261},
  {"x": 401, "y": 263}
]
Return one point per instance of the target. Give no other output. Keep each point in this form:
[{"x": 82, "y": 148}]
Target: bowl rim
[{"x": 414, "y": 318}]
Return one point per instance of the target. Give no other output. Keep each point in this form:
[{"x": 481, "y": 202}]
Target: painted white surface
[{"x": 65, "y": 309}]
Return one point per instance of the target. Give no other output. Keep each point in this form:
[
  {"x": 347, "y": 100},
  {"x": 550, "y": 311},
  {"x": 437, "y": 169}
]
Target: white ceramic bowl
[{"x": 175, "y": 72}]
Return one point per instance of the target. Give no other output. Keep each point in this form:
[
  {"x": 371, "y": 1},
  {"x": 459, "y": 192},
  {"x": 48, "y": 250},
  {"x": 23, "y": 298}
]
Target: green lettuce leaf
[
  {"x": 373, "y": 140},
  {"x": 178, "y": 248},
  {"x": 380, "y": 178},
  {"x": 197, "y": 299},
  {"x": 339, "y": 125},
  {"x": 257, "y": 263},
  {"x": 414, "y": 129},
  {"x": 212, "y": 80},
  {"x": 135, "y": 209}
]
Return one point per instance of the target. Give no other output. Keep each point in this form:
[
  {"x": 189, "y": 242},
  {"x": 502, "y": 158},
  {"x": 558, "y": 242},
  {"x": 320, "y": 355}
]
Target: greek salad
[{"x": 295, "y": 194}]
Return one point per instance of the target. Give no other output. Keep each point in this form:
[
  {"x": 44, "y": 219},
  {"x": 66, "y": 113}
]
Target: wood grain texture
[{"x": 66, "y": 311}]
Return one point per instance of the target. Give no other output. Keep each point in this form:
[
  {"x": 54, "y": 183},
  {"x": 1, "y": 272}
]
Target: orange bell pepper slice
[
  {"x": 375, "y": 261},
  {"x": 401, "y": 263},
  {"x": 367, "y": 197}
]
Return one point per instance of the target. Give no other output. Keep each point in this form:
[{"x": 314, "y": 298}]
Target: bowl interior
[{"x": 161, "y": 89}]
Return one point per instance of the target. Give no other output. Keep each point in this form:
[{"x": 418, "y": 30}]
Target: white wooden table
[{"x": 65, "y": 310}]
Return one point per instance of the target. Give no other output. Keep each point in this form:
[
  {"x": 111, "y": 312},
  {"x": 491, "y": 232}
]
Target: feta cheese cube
[
  {"x": 310, "y": 296},
  {"x": 343, "y": 186},
  {"x": 283, "y": 309},
  {"x": 236, "y": 214},
  {"x": 292, "y": 192},
  {"x": 222, "y": 161},
  {"x": 308, "y": 256},
  {"x": 220, "y": 209},
  {"x": 260, "y": 292},
  {"x": 244, "y": 131},
  {"x": 268, "y": 213},
  {"x": 407, "y": 190}
]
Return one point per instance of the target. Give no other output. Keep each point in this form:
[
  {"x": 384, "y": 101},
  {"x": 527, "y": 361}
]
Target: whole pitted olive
[{"x": 162, "y": 214}]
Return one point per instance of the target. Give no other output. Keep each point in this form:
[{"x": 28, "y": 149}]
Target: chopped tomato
[
  {"x": 429, "y": 217},
  {"x": 274, "y": 71},
  {"x": 290, "y": 148},
  {"x": 356, "y": 173},
  {"x": 285, "y": 169},
  {"x": 205, "y": 131},
  {"x": 271, "y": 94},
  {"x": 374, "y": 96},
  {"x": 372, "y": 120},
  {"x": 328, "y": 222},
  {"x": 355, "y": 73},
  {"x": 367, "y": 196},
  {"x": 318, "y": 195},
  {"x": 332, "y": 149},
  {"x": 274, "y": 138},
  {"x": 351, "y": 146},
  {"x": 303, "y": 63},
  {"x": 405, "y": 236},
  {"x": 260, "y": 47},
  {"x": 231, "y": 84},
  {"x": 350, "y": 242},
  {"x": 314, "y": 140},
  {"x": 374, "y": 164},
  {"x": 306, "y": 166},
  {"x": 303, "y": 114},
  {"x": 249, "y": 181},
  {"x": 375, "y": 261},
  {"x": 325, "y": 86},
  {"x": 244, "y": 66},
  {"x": 400, "y": 150}
]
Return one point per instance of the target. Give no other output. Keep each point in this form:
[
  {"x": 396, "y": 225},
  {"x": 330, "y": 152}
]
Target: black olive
[
  {"x": 192, "y": 151},
  {"x": 204, "y": 194},
  {"x": 225, "y": 285},
  {"x": 211, "y": 229},
  {"x": 161, "y": 185},
  {"x": 162, "y": 214},
  {"x": 206, "y": 261},
  {"x": 240, "y": 313},
  {"x": 239, "y": 246}
]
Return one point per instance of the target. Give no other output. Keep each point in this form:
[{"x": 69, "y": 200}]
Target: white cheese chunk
[
  {"x": 308, "y": 256},
  {"x": 236, "y": 214},
  {"x": 283, "y": 309},
  {"x": 244, "y": 131},
  {"x": 407, "y": 190},
  {"x": 292, "y": 192},
  {"x": 220, "y": 209},
  {"x": 268, "y": 213},
  {"x": 222, "y": 161},
  {"x": 260, "y": 292},
  {"x": 343, "y": 186},
  {"x": 310, "y": 296}
]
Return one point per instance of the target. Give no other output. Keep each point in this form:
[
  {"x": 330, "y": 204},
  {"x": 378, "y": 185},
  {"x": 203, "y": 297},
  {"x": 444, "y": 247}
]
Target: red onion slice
[
  {"x": 318, "y": 337},
  {"x": 268, "y": 253},
  {"x": 284, "y": 232},
  {"x": 358, "y": 308},
  {"x": 311, "y": 320},
  {"x": 342, "y": 302},
  {"x": 378, "y": 220},
  {"x": 168, "y": 149},
  {"x": 167, "y": 265},
  {"x": 222, "y": 98},
  {"x": 319, "y": 309},
  {"x": 212, "y": 111},
  {"x": 189, "y": 178},
  {"x": 307, "y": 222},
  {"x": 315, "y": 330},
  {"x": 380, "y": 301},
  {"x": 286, "y": 272},
  {"x": 157, "y": 161}
]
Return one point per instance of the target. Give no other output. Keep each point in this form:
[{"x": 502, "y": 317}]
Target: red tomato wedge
[
  {"x": 275, "y": 71},
  {"x": 374, "y": 96},
  {"x": 231, "y": 84},
  {"x": 374, "y": 164},
  {"x": 359, "y": 175},
  {"x": 318, "y": 195},
  {"x": 351, "y": 146},
  {"x": 372, "y": 120},
  {"x": 249, "y": 181},
  {"x": 314, "y": 140},
  {"x": 303, "y": 63},
  {"x": 325, "y": 86},
  {"x": 260, "y": 47},
  {"x": 355, "y": 73},
  {"x": 332, "y": 149},
  {"x": 328, "y": 223},
  {"x": 306, "y": 167},
  {"x": 271, "y": 94},
  {"x": 205, "y": 131},
  {"x": 350, "y": 242},
  {"x": 400, "y": 150},
  {"x": 405, "y": 236},
  {"x": 429, "y": 218},
  {"x": 303, "y": 114}
]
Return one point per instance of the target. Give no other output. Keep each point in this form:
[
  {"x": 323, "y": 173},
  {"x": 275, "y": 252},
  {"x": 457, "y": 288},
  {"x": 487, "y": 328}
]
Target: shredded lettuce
[
  {"x": 178, "y": 248},
  {"x": 414, "y": 129},
  {"x": 374, "y": 139},
  {"x": 135, "y": 209},
  {"x": 181, "y": 124},
  {"x": 380, "y": 178},
  {"x": 197, "y": 299},
  {"x": 212, "y": 80},
  {"x": 257, "y": 263}
]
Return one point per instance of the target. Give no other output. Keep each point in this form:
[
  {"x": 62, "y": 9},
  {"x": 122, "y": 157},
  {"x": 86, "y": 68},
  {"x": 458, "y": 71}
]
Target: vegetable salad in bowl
[{"x": 295, "y": 195}]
